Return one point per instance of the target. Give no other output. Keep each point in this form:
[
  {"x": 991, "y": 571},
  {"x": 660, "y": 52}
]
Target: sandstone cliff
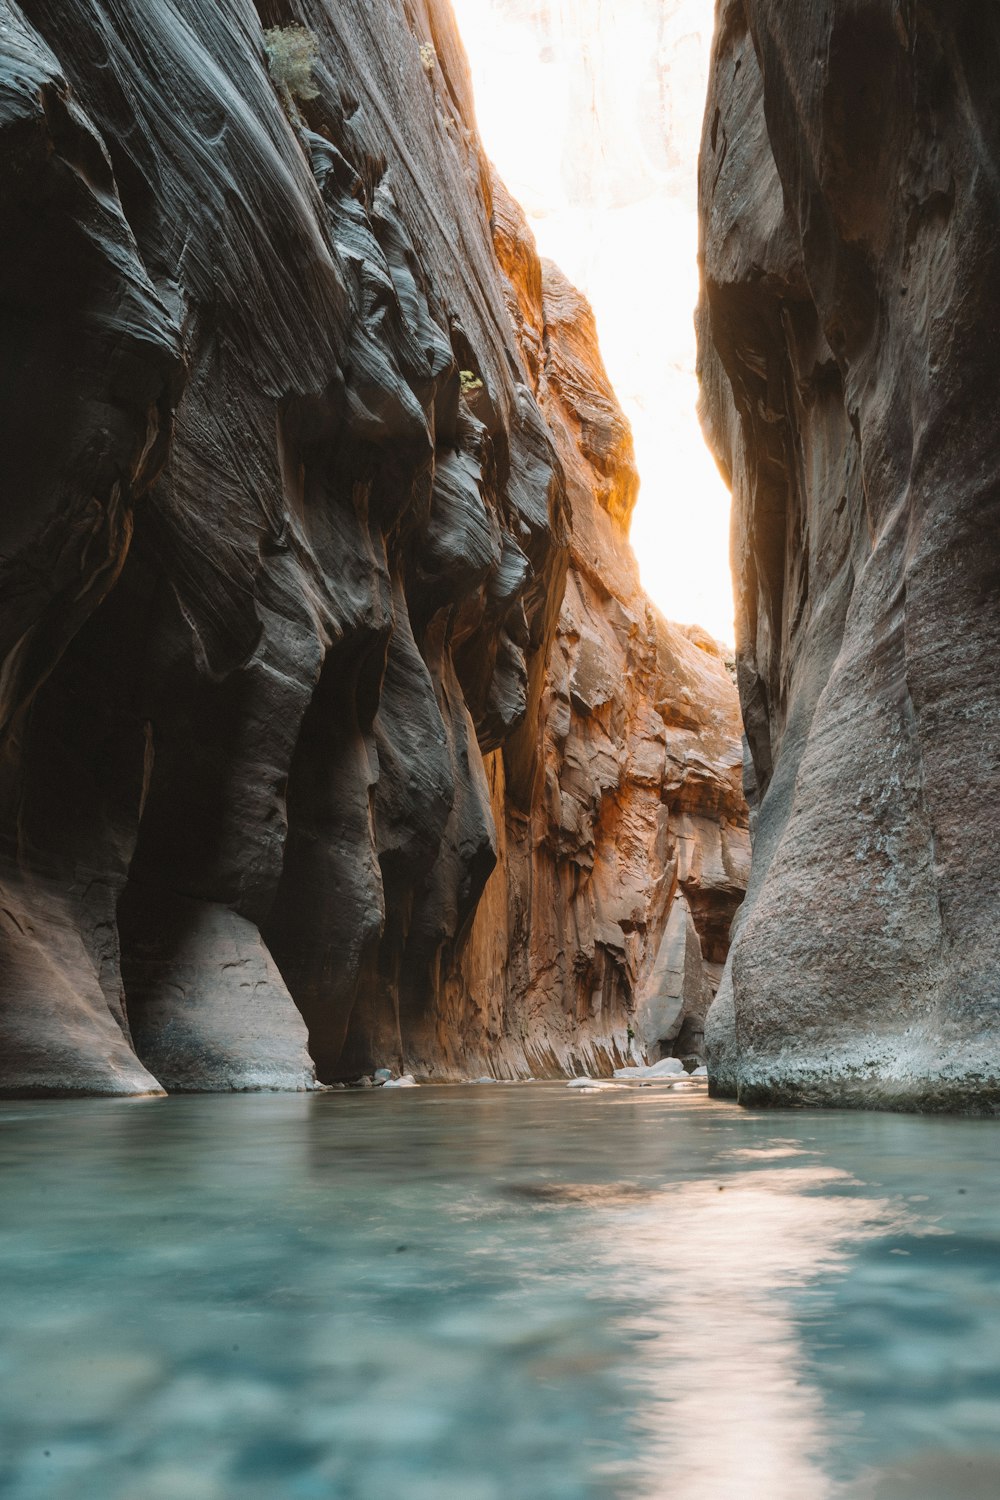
[
  {"x": 623, "y": 842},
  {"x": 284, "y": 665},
  {"x": 850, "y": 215}
]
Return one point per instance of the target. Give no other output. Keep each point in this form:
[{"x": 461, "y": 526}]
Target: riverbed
[{"x": 495, "y": 1292}]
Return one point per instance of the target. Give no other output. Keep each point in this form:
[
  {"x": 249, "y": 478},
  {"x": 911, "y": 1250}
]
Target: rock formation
[
  {"x": 851, "y": 236},
  {"x": 284, "y": 666},
  {"x": 623, "y": 842}
]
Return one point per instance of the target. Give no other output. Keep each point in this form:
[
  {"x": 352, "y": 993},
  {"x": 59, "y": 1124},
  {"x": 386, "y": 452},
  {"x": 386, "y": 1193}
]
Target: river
[{"x": 495, "y": 1293}]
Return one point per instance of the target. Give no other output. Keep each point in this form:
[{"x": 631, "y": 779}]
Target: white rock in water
[
  {"x": 701, "y": 1072},
  {"x": 382, "y": 1075},
  {"x": 667, "y": 1067},
  {"x": 484, "y": 1079},
  {"x": 406, "y": 1082},
  {"x": 593, "y": 1084}
]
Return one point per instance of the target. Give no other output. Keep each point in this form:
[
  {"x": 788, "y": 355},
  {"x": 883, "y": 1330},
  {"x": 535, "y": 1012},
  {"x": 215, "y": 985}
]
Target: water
[{"x": 495, "y": 1293}]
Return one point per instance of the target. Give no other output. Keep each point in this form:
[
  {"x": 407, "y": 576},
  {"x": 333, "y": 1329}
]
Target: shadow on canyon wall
[
  {"x": 851, "y": 243},
  {"x": 336, "y": 728}
]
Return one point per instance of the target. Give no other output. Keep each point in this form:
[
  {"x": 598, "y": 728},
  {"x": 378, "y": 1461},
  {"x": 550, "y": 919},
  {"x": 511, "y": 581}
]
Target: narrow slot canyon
[
  {"x": 499, "y": 977},
  {"x": 361, "y": 746}
]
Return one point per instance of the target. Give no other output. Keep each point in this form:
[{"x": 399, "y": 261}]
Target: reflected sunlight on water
[{"x": 727, "y": 1408}]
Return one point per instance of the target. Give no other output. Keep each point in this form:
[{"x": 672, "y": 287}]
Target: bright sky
[{"x": 591, "y": 110}]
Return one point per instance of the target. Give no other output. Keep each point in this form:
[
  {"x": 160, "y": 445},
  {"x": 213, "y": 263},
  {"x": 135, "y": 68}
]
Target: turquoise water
[{"x": 495, "y": 1293}]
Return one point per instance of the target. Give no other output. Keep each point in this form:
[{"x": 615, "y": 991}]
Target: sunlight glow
[
  {"x": 591, "y": 110},
  {"x": 721, "y": 1334}
]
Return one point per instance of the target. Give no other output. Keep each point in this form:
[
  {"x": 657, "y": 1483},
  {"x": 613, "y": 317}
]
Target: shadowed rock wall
[
  {"x": 851, "y": 235},
  {"x": 283, "y": 557}
]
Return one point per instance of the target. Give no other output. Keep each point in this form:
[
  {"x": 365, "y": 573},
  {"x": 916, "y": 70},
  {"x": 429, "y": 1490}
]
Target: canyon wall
[
  {"x": 850, "y": 203},
  {"x": 301, "y": 449},
  {"x": 623, "y": 832}
]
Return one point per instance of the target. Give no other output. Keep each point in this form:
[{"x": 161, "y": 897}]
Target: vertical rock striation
[
  {"x": 287, "y": 537},
  {"x": 851, "y": 224}
]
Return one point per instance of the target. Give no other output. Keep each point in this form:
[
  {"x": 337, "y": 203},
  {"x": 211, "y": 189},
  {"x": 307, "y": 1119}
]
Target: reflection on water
[
  {"x": 728, "y": 1408},
  {"x": 495, "y": 1294}
]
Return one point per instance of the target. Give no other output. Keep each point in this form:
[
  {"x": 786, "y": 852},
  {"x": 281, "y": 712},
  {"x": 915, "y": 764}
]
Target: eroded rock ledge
[
  {"x": 336, "y": 729},
  {"x": 851, "y": 236}
]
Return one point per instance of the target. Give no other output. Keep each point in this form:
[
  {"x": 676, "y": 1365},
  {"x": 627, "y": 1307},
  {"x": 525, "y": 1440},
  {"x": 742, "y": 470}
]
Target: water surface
[{"x": 495, "y": 1293}]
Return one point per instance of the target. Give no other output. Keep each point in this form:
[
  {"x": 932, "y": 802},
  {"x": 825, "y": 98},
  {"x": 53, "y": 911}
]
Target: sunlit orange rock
[{"x": 623, "y": 848}]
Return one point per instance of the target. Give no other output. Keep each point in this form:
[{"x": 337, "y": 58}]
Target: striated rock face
[
  {"x": 624, "y": 848},
  {"x": 851, "y": 235},
  {"x": 282, "y": 568}
]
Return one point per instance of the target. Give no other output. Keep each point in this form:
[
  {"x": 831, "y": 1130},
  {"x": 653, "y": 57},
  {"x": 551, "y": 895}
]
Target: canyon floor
[{"x": 498, "y": 1291}]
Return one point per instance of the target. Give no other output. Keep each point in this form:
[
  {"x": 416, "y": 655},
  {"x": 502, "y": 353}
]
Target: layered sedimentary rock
[
  {"x": 623, "y": 842},
  {"x": 284, "y": 551},
  {"x": 851, "y": 225}
]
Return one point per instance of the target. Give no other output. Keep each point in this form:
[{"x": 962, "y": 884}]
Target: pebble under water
[{"x": 495, "y": 1293}]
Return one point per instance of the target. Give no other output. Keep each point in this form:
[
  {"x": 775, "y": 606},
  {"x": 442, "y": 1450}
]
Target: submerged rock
[{"x": 850, "y": 375}]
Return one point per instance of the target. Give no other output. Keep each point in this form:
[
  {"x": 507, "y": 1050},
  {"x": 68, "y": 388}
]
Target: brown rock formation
[
  {"x": 285, "y": 559},
  {"x": 848, "y": 344},
  {"x": 624, "y": 849}
]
